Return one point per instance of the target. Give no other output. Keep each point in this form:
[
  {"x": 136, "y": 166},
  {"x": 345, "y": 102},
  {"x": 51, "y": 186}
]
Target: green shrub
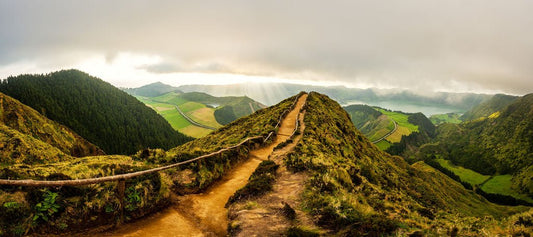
[
  {"x": 45, "y": 209},
  {"x": 260, "y": 182}
]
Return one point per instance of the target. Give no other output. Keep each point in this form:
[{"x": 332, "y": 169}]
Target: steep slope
[
  {"x": 408, "y": 144},
  {"x": 396, "y": 131},
  {"x": 99, "y": 112},
  {"x": 97, "y": 205},
  {"x": 355, "y": 189},
  {"x": 370, "y": 121},
  {"x": 496, "y": 103},
  {"x": 500, "y": 144},
  {"x": 28, "y": 136},
  {"x": 151, "y": 90}
]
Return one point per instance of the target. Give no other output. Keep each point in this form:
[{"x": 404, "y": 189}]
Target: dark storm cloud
[{"x": 418, "y": 44}]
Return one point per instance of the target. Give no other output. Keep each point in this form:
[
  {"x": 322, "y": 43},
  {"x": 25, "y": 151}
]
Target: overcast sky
[{"x": 452, "y": 45}]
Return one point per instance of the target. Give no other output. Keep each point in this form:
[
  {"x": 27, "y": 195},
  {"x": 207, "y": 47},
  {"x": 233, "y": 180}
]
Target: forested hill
[
  {"x": 496, "y": 103},
  {"x": 101, "y": 113},
  {"x": 499, "y": 144}
]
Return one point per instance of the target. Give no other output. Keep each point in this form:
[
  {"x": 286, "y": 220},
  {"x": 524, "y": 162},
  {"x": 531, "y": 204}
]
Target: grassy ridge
[
  {"x": 355, "y": 189},
  {"x": 51, "y": 210}
]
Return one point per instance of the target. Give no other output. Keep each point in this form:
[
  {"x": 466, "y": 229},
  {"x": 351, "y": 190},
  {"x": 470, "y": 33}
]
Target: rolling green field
[
  {"x": 466, "y": 175},
  {"x": 404, "y": 127},
  {"x": 386, "y": 125},
  {"x": 445, "y": 118},
  {"x": 383, "y": 145},
  {"x": 401, "y": 119},
  {"x": 499, "y": 184},
  {"x": 164, "y": 105}
]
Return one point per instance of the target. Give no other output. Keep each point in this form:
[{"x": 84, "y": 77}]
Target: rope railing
[
  {"x": 78, "y": 182},
  {"x": 123, "y": 177},
  {"x": 282, "y": 116}
]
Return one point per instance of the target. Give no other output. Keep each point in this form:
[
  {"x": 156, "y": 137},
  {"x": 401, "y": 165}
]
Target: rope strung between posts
[{"x": 121, "y": 177}]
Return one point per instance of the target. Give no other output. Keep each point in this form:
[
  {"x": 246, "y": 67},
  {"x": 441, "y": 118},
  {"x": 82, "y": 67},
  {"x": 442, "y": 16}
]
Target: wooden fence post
[{"x": 121, "y": 188}]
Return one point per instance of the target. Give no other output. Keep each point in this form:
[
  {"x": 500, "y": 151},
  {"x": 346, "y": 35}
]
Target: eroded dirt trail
[{"x": 204, "y": 214}]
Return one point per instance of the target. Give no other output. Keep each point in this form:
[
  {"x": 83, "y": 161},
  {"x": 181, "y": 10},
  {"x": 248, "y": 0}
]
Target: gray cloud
[{"x": 417, "y": 44}]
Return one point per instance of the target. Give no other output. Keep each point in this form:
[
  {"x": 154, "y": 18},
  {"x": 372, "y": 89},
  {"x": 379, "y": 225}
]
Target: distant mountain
[
  {"x": 99, "y": 112},
  {"x": 151, "y": 90},
  {"x": 28, "y": 137},
  {"x": 495, "y": 103},
  {"x": 394, "y": 99}
]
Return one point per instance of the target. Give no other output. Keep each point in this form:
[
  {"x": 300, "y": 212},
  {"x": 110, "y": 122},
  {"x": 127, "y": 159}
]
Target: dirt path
[{"x": 204, "y": 214}]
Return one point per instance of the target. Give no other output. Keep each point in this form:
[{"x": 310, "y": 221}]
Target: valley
[
  {"x": 401, "y": 174},
  {"x": 204, "y": 214},
  {"x": 194, "y": 114},
  {"x": 299, "y": 118}
]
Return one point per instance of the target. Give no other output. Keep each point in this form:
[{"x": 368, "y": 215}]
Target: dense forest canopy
[{"x": 108, "y": 117}]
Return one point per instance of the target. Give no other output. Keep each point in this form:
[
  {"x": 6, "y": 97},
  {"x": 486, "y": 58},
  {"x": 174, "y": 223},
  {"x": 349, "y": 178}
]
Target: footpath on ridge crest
[{"x": 204, "y": 214}]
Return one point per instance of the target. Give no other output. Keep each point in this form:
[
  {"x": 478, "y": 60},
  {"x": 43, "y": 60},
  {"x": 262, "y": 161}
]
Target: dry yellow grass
[
  {"x": 195, "y": 131},
  {"x": 163, "y": 108},
  {"x": 397, "y": 135},
  {"x": 205, "y": 116}
]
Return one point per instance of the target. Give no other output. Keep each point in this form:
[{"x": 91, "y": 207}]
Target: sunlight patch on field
[
  {"x": 501, "y": 184},
  {"x": 195, "y": 131},
  {"x": 466, "y": 175},
  {"x": 205, "y": 116},
  {"x": 383, "y": 145},
  {"x": 397, "y": 135}
]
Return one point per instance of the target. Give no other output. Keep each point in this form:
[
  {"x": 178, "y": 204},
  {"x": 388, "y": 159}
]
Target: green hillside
[
  {"x": 500, "y": 146},
  {"x": 376, "y": 122},
  {"x": 354, "y": 189},
  {"x": 371, "y": 122},
  {"x": 90, "y": 206},
  {"x": 445, "y": 118},
  {"x": 96, "y": 110},
  {"x": 201, "y": 108},
  {"x": 26, "y": 136},
  {"x": 496, "y": 103}
]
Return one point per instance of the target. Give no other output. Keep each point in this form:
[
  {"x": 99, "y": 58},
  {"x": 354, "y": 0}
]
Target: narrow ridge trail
[{"x": 204, "y": 214}]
